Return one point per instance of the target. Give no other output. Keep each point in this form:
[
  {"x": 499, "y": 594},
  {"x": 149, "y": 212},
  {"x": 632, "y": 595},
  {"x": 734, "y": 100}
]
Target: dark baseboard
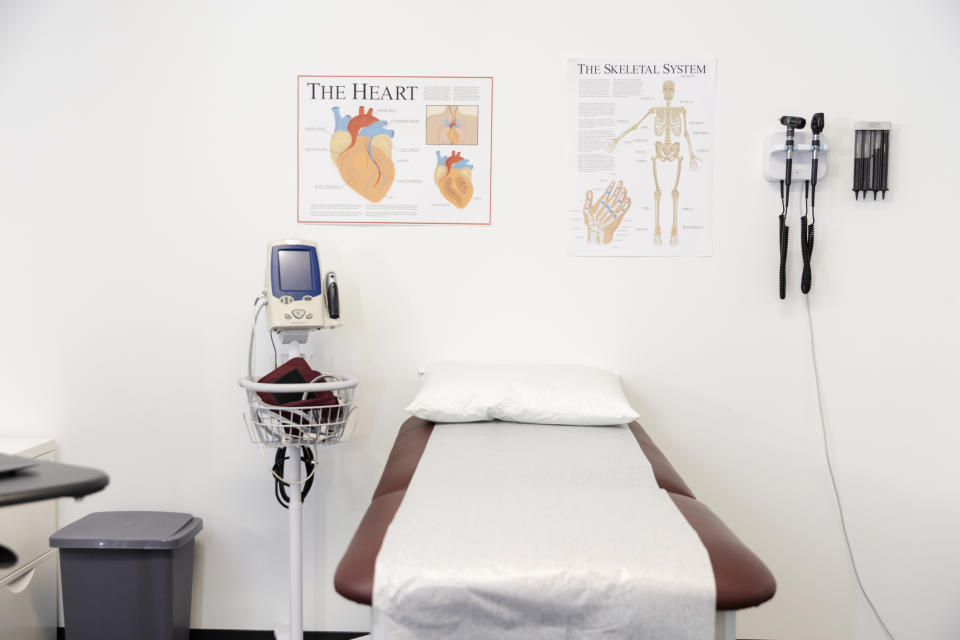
[
  {"x": 229, "y": 634},
  {"x": 226, "y": 634}
]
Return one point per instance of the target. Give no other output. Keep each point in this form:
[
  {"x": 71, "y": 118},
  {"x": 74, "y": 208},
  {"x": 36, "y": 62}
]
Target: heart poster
[{"x": 394, "y": 149}]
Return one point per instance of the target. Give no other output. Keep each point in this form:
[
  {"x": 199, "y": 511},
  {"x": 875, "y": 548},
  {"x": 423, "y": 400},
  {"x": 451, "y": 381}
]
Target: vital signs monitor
[{"x": 297, "y": 296}]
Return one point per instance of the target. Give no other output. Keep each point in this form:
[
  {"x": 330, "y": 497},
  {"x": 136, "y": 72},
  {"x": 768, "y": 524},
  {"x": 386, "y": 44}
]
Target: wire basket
[{"x": 321, "y": 415}]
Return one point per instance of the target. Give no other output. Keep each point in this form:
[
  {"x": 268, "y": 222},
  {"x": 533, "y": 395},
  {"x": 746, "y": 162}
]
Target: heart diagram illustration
[
  {"x": 454, "y": 178},
  {"x": 453, "y": 124},
  {"x": 453, "y": 132},
  {"x": 362, "y": 150}
]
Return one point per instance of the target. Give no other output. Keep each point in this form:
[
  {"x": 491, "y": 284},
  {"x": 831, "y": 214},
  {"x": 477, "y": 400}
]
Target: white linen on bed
[{"x": 539, "y": 532}]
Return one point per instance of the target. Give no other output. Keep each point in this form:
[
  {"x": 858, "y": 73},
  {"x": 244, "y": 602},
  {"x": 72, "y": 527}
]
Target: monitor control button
[
  {"x": 298, "y": 313},
  {"x": 309, "y": 316},
  {"x": 288, "y": 316},
  {"x": 286, "y": 299},
  {"x": 307, "y": 298}
]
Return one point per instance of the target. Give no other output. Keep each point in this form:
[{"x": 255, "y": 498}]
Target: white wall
[{"x": 146, "y": 157}]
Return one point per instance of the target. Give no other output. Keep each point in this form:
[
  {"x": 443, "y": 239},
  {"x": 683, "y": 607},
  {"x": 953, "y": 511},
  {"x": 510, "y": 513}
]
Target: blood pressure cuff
[
  {"x": 308, "y": 409},
  {"x": 295, "y": 371}
]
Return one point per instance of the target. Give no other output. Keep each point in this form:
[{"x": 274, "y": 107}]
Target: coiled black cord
[
  {"x": 806, "y": 241},
  {"x": 784, "y": 236},
  {"x": 280, "y": 488}
]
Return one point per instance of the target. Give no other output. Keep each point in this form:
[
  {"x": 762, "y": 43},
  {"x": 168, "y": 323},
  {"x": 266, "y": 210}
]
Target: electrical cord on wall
[
  {"x": 259, "y": 305},
  {"x": 833, "y": 479}
]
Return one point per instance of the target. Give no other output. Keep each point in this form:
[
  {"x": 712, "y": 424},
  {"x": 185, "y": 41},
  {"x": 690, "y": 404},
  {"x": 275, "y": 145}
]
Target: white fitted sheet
[{"x": 511, "y": 531}]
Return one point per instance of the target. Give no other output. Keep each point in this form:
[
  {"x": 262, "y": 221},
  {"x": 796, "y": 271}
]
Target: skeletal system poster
[
  {"x": 640, "y": 157},
  {"x": 394, "y": 149}
]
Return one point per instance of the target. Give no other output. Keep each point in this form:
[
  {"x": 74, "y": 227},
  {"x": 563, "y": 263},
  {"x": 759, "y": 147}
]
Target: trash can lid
[{"x": 128, "y": 530}]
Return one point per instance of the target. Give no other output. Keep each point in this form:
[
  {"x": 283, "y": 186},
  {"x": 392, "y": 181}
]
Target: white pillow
[{"x": 532, "y": 393}]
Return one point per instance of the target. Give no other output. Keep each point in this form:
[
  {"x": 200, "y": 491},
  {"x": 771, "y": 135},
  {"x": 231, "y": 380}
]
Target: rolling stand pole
[{"x": 293, "y": 474}]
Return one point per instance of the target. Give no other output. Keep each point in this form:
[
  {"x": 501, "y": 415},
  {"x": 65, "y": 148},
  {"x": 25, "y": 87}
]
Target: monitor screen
[{"x": 296, "y": 273}]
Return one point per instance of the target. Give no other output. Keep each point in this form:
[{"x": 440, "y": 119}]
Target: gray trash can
[{"x": 127, "y": 575}]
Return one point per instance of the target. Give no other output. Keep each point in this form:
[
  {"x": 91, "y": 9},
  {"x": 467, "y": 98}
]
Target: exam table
[{"x": 742, "y": 580}]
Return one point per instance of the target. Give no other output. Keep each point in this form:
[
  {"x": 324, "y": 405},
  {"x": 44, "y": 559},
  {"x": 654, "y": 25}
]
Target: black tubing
[
  {"x": 806, "y": 248},
  {"x": 784, "y": 234}
]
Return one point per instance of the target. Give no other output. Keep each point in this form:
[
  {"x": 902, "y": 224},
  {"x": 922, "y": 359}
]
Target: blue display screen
[{"x": 296, "y": 271}]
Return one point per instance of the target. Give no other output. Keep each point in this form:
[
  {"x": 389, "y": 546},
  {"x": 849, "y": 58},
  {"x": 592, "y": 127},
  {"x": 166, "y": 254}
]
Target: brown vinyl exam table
[{"x": 742, "y": 580}]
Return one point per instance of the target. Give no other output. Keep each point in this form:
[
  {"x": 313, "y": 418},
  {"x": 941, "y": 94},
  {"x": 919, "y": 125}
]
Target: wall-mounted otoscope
[
  {"x": 803, "y": 157},
  {"x": 791, "y": 123},
  {"x": 806, "y": 230},
  {"x": 816, "y": 126}
]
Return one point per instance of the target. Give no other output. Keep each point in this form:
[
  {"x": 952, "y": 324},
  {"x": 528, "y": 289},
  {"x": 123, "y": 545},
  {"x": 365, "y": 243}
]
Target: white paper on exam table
[{"x": 513, "y": 531}]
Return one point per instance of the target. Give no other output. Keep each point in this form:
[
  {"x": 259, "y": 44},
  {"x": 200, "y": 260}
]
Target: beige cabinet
[{"x": 28, "y": 590}]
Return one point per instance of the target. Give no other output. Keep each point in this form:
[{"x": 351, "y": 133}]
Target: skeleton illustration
[{"x": 667, "y": 121}]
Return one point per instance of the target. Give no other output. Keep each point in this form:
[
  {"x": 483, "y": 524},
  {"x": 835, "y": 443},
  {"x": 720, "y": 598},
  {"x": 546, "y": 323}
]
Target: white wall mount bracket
[{"x": 774, "y": 157}]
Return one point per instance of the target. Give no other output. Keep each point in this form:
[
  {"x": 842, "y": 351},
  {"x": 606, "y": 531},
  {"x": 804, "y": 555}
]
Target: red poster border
[{"x": 489, "y": 221}]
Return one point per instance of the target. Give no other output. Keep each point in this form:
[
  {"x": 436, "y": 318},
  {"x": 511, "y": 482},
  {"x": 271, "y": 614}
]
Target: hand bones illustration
[{"x": 605, "y": 215}]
